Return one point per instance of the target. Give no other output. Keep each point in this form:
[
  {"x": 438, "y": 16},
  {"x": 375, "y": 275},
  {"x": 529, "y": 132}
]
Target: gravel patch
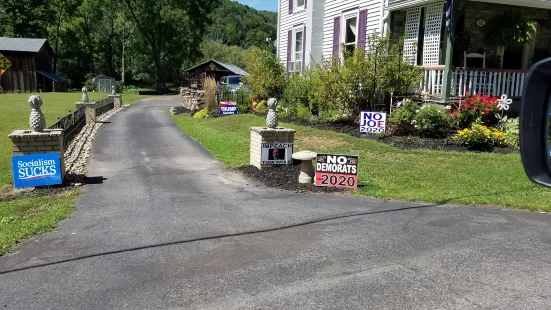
[{"x": 78, "y": 152}]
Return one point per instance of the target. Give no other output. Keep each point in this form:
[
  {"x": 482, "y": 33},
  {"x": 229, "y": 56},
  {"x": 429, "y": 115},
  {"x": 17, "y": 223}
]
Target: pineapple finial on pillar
[
  {"x": 271, "y": 118},
  {"x": 36, "y": 120},
  {"x": 84, "y": 94}
]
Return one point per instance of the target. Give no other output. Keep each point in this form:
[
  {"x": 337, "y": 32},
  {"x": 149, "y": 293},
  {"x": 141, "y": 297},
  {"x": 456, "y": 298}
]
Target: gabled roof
[
  {"x": 22, "y": 44},
  {"x": 230, "y": 67}
]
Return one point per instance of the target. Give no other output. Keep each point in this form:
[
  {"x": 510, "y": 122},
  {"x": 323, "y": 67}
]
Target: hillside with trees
[
  {"x": 236, "y": 30},
  {"x": 136, "y": 41}
]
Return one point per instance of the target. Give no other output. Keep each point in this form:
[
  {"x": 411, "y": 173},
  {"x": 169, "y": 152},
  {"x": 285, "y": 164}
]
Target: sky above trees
[{"x": 268, "y": 5}]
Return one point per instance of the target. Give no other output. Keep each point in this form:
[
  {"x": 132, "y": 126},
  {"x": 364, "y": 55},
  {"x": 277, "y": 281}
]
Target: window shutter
[
  {"x": 291, "y": 6},
  {"x": 362, "y": 32},
  {"x": 289, "y": 48},
  {"x": 336, "y": 36},
  {"x": 304, "y": 46}
]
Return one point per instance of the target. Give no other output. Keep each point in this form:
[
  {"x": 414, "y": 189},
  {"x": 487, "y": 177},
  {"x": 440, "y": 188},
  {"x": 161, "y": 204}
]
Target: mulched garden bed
[
  {"x": 404, "y": 143},
  {"x": 10, "y": 194},
  {"x": 285, "y": 178}
]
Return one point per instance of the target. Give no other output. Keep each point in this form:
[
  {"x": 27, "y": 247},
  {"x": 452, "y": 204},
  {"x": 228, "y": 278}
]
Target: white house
[{"x": 310, "y": 30}]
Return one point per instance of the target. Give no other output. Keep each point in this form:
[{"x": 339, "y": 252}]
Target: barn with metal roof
[{"x": 29, "y": 66}]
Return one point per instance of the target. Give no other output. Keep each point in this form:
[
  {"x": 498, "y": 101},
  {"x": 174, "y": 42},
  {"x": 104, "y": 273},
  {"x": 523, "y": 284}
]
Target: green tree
[
  {"x": 170, "y": 31},
  {"x": 267, "y": 74}
]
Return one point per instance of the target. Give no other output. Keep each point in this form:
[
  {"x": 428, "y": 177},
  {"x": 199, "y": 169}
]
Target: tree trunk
[{"x": 57, "y": 37}]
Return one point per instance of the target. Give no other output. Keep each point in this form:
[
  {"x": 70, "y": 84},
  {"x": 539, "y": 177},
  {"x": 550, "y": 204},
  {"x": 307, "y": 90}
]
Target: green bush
[
  {"x": 299, "y": 90},
  {"x": 335, "y": 116},
  {"x": 303, "y": 113},
  {"x": 267, "y": 74},
  {"x": 261, "y": 107},
  {"x": 479, "y": 138},
  {"x": 511, "y": 131},
  {"x": 433, "y": 122},
  {"x": 402, "y": 119},
  {"x": 204, "y": 113},
  {"x": 359, "y": 82}
]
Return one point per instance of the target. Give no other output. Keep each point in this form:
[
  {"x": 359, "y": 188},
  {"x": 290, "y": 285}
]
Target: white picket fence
[{"x": 493, "y": 82}]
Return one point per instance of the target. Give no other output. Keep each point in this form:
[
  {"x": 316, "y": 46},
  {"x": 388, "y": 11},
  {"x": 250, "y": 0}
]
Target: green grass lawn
[
  {"x": 387, "y": 172},
  {"x": 23, "y": 218},
  {"x": 14, "y": 114}
]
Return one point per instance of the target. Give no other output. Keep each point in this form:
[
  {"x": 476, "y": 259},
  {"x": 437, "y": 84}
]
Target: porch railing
[{"x": 493, "y": 82}]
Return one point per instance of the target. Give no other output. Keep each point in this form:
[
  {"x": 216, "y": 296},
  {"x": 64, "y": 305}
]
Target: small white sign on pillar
[{"x": 277, "y": 153}]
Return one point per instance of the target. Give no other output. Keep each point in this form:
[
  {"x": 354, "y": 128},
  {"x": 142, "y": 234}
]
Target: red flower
[
  {"x": 487, "y": 111},
  {"x": 476, "y": 107},
  {"x": 454, "y": 112},
  {"x": 463, "y": 109},
  {"x": 489, "y": 121}
]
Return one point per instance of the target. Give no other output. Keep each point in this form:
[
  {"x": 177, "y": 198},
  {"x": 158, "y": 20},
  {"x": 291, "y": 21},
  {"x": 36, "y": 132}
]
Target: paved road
[{"x": 170, "y": 228}]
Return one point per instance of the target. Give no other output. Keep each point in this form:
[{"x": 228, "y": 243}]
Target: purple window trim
[
  {"x": 336, "y": 36},
  {"x": 289, "y": 48},
  {"x": 362, "y": 32},
  {"x": 291, "y": 6},
  {"x": 304, "y": 46}
]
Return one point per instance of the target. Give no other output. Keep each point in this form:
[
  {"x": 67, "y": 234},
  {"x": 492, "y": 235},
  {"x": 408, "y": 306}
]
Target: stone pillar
[
  {"x": 261, "y": 135},
  {"x": 90, "y": 111},
  {"x": 117, "y": 99},
  {"x": 27, "y": 142}
]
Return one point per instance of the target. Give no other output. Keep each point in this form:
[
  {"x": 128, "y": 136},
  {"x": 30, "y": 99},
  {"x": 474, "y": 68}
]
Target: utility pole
[{"x": 123, "y": 47}]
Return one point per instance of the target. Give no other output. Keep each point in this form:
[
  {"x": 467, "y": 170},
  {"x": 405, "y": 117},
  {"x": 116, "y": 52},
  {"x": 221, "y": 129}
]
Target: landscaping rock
[{"x": 78, "y": 152}]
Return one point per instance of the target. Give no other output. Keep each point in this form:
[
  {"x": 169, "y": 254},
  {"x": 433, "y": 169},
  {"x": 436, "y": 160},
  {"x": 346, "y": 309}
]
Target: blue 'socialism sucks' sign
[
  {"x": 228, "y": 108},
  {"x": 36, "y": 170}
]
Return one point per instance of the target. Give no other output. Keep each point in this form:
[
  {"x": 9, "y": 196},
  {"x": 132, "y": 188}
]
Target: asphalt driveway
[{"x": 166, "y": 226}]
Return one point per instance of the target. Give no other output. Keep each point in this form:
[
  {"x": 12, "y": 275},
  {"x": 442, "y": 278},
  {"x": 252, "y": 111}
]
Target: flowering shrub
[
  {"x": 479, "y": 138},
  {"x": 402, "y": 118},
  {"x": 477, "y": 109},
  {"x": 433, "y": 122},
  {"x": 511, "y": 131}
]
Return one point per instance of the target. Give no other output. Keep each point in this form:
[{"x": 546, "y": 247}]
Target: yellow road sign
[{"x": 5, "y": 64}]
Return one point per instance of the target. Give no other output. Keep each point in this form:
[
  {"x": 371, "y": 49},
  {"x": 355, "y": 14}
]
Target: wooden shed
[
  {"x": 213, "y": 68},
  {"x": 31, "y": 66}
]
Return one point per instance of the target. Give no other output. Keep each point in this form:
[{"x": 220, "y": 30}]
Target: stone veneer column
[
  {"x": 261, "y": 135},
  {"x": 27, "y": 142},
  {"x": 90, "y": 111},
  {"x": 117, "y": 99}
]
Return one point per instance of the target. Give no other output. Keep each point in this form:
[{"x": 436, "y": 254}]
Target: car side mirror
[{"x": 534, "y": 123}]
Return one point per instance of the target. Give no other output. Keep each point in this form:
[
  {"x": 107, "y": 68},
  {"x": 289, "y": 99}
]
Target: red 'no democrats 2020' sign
[{"x": 339, "y": 171}]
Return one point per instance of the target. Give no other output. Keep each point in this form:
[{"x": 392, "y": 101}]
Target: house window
[
  {"x": 350, "y": 32},
  {"x": 299, "y": 5},
  {"x": 298, "y": 50}
]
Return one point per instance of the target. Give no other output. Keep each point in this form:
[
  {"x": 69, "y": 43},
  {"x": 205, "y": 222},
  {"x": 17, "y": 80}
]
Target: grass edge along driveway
[
  {"x": 483, "y": 179},
  {"x": 25, "y": 217},
  {"x": 22, "y": 218}
]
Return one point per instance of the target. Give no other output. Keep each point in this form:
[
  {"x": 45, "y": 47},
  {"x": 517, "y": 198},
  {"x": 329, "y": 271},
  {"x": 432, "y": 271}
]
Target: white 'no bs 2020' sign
[{"x": 372, "y": 122}]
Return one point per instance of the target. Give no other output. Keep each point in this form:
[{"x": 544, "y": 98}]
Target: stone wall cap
[
  {"x": 32, "y": 134},
  {"x": 272, "y": 130}
]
